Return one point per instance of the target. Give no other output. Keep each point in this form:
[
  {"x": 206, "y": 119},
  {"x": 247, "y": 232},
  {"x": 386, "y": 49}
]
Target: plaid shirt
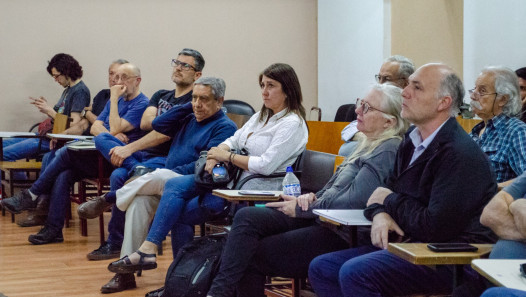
[{"x": 504, "y": 142}]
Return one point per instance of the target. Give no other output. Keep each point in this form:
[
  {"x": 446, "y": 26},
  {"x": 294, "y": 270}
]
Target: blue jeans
[
  {"x": 179, "y": 209},
  {"x": 20, "y": 148},
  {"x": 105, "y": 142},
  {"x": 57, "y": 178},
  {"x": 508, "y": 249},
  {"x": 503, "y": 292},
  {"x": 193, "y": 214},
  {"x": 367, "y": 271}
]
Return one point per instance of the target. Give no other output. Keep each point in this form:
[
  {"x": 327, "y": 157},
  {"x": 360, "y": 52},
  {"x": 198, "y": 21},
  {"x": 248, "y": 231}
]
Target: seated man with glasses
[
  {"x": 501, "y": 135},
  {"x": 396, "y": 70},
  {"x": 142, "y": 156}
]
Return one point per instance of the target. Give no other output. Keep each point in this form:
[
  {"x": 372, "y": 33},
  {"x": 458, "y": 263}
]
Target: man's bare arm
[
  {"x": 120, "y": 153},
  {"x": 147, "y": 118},
  {"x": 497, "y": 216}
]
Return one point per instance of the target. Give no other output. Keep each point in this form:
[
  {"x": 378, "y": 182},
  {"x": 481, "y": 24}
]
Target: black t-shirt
[
  {"x": 73, "y": 99},
  {"x": 99, "y": 102},
  {"x": 164, "y": 100}
]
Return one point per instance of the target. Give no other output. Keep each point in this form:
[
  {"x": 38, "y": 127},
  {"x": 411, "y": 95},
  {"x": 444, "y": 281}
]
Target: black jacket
[{"x": 440, "y": 197}]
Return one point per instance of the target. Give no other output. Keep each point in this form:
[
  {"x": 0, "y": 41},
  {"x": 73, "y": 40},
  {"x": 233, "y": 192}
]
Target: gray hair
[
  {"x": 198, "y": 58},
  {"x": 506, "y": 83},
  {"x": 392, "y": 105},
  {"x": 406, "y": 65},
  {"x": 217, "y": 85},
  {"x": 120, "y": 61},
  {"x": 451, "y": 85}
]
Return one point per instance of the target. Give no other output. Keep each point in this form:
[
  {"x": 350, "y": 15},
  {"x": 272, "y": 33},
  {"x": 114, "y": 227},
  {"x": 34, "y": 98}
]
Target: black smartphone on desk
[{"x": 451, "y": 247}]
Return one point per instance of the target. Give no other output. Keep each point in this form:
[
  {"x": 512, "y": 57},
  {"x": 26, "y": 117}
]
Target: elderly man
[
  {"x": 194, "y": 127},
  {"x": 144, "y": 155},
  {"x": 501, "y": 135},
  {"x": 426, "y": 200},
  {"x": 121, "y": 116},
  {"x": 396, "y": 70}
]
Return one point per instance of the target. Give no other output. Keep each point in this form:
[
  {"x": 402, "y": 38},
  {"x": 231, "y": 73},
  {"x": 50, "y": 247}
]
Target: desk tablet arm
[{"x": 243, "y": 181}]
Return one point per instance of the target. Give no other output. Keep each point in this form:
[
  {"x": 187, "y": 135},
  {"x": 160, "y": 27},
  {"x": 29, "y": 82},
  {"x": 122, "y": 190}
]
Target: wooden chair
[
  {"x": 92, "y": 187},
  {"x": 9, "y": 169}
]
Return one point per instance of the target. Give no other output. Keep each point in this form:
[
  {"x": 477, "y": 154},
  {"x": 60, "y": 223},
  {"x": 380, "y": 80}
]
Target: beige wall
[
  {"x": 238, "y": 39},
  {"x": 428, "y": 31}
]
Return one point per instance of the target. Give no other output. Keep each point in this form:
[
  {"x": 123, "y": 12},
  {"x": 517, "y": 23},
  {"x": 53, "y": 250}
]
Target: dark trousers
[{"x": 264, "y": 241}]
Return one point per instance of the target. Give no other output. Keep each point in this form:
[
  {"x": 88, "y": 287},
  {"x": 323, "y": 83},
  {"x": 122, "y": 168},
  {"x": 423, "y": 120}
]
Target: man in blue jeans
[
  {"x": 120, "y": 116},
  {"x": 194, "y": 127},
  {"x": 440, "y": 183},
  {"x": 143, "y": 155}
]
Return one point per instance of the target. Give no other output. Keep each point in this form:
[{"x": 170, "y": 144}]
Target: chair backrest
[
  {"x": 316, "y": 170},
  {"x": 345, "y": 113},
  {"x": 238, "y": 107},
  {"x": 238, "y": 119},
  {"x": 60, "y": 123}
]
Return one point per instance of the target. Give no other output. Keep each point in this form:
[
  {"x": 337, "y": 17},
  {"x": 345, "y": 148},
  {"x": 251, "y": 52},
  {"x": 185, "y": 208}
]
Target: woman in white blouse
[{"x": 274, "y": 137}]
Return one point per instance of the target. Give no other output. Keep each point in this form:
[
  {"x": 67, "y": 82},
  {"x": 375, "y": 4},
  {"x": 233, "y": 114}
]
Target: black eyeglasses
[
  {"x": 383, "y": 79},
  {"x": 184, "y": 66},
  {"x": 366, "y": 106},
  {"x": 477, "y": 95},
  {"x": 55, "y": 76}
]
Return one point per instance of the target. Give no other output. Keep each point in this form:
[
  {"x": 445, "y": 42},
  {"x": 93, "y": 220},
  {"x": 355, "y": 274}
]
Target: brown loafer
[
  {"x": 120, "y": 282},
  {"x": 93, "y": 208}
]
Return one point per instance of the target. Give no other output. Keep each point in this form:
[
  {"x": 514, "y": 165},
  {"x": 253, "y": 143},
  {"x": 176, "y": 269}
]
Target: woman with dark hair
[
  {"x": 273, "y": 138},
  {"x": 67, "y": 72},
  {"x": 283, "y": 237}
]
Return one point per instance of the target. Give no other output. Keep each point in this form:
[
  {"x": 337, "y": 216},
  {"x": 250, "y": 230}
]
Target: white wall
[
  {"x": 351, "y": 49},
  {"x": 494, "y": 34},
  {"x": 238, "y": 39}
]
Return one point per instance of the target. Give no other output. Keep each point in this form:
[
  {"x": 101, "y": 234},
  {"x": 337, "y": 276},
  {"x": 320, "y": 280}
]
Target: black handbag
[{"x": 221, "y": 175}]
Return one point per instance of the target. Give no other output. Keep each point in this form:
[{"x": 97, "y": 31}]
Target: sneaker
[
  {"x": 21, "y": 201},
  {"x": 104, "y": 252},
  {"x": 46, "y": 235},
  {"x": 120, "y": 282},
  {"x": 31, "y": 219},
  {"x": 93, "y": 208}
]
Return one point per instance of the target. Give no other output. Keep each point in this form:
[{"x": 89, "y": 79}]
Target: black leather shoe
[
  {"x": 120, "y": 282},
  {"x": 141, "y": 170},
  {"x": 104, "y": 252},
  {"x": 93, "y": 208},
  {"x": 21, "y": 201},
  {"x": 46, "y": 235},
  {"x": 125, "y": 265}
]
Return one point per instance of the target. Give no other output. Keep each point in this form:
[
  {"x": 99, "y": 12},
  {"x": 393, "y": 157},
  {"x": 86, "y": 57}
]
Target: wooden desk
[
  {"x": 419, "y": 254},
  {"x": 234, "y": 196},
  {"x": 501, "y": 272}
]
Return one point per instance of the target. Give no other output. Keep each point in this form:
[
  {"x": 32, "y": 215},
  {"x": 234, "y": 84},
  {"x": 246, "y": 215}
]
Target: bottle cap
[{"x": 289, "y": 169}]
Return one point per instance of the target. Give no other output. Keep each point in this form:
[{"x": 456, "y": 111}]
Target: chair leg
[{"x": 101, "y": 229}]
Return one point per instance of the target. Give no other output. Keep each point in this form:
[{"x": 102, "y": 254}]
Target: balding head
[{"x": 434, "y": 94}]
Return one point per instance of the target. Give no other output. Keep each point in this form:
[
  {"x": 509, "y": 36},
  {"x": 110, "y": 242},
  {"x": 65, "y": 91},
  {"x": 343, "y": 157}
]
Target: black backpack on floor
[{"x": 195, "y": 266}]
